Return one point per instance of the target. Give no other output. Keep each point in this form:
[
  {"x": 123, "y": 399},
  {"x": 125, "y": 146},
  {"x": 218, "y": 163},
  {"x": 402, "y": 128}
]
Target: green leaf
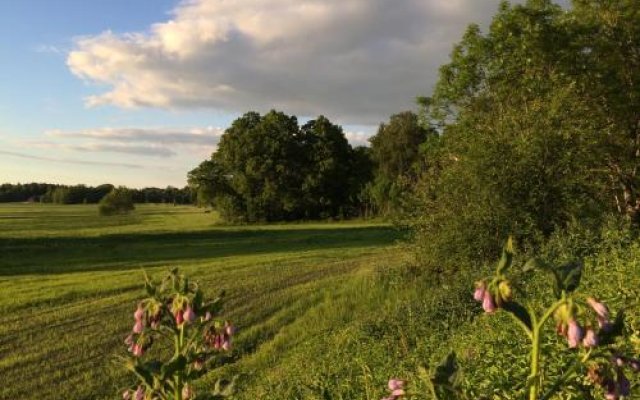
[
  {"x": 507, "y": 257},
  {"x": 519, "y": 312},
  {"x": 176, "y": 364},
  {"x": 141, "y": 372},
  {"x": 571, "y": 274},
  {"x": 614, "y": 331}
]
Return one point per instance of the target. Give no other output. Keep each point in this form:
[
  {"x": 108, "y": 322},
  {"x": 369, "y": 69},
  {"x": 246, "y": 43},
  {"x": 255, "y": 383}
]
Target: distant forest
[{"x": 82, "y": 194}]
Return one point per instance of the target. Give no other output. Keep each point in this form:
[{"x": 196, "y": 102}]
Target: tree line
[
  {"x": 83, "y": 194},
  {"x": 269, "y": 168}
]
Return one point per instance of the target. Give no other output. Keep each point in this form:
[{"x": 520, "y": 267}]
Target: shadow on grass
[{"x": 20, "y": 256}]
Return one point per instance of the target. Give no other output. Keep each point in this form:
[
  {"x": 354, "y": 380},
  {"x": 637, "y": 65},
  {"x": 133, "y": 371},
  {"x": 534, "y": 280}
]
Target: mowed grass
[{"x": 69, "y": 281}]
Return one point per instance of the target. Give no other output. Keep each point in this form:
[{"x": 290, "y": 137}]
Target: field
[
  {"x": 324, "y": 310},
  {"x": 69, "y": 281}
]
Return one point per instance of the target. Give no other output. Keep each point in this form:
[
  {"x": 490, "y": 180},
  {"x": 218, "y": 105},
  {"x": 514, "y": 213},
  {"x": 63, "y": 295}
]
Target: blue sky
[{"x": 137, "y": 92}]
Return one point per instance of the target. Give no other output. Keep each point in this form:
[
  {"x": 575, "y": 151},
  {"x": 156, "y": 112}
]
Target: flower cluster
[
  {"x": 568, "y": 326},
  {"x": 396, "y": 387},
  {"x": 174, "y": 310},
  {"x": 494, "y": 295}
]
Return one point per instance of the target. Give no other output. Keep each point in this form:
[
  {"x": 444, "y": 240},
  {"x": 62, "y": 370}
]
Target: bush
[{"x": 118, "y": 201}]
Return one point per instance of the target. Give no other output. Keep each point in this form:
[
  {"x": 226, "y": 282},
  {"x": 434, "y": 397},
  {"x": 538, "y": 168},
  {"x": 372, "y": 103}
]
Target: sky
[{"x": 138, "y": 92}]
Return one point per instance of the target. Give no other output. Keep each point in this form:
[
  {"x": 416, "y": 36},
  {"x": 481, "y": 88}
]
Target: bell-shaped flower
[
  {"x": 395, "y": 384},
  {"x": 574, "y": 333},
  {"x": 139, "y": 314},
  {"x": 188, "y": 315},
  {"x": 590, "y": 339},
  {"x": 140, "y": 393},
  {"x": 601, "y": 310},
  {"x": 138, "y": 327},
  {"x": 488, "y": 305}
]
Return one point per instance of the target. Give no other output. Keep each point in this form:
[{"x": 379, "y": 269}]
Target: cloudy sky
[{"x": 137, "y": 92}]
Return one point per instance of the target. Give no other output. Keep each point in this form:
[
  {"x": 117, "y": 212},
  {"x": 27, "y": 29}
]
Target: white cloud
[
  {"x": 357, "y": 61},
  {"x": 358, "y": 138}
]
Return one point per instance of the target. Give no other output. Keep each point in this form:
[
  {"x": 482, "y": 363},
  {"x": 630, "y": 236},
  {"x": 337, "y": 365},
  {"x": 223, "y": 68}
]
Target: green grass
[
  {"x": 69, "y": 280},
  {"x": 325, "y": 310}
]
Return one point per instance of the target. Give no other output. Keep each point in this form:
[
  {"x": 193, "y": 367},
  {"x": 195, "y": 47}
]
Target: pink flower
[
  {"x": 137, "y": 350},
  {"x": 635, "y": 364},
  {"x": 590, "y": 339},
  {"x": 226, "y": 345},
  {"x": 395, "y": 384},
  {"x": 574, "y": 334},
  {"x": 140, "y": 393},
  {"x": 599, "y": 308},
  {"x": 207, "y": 316},
  {"x": 487, "y": 302},
  {"x": 139, "y": 314},
  {"x": 229, "y": 329},
  {"x": 188, "y": 315},
  {"x": 478, "y": 294},
  {"x": 138, "y": 327},
  {"x": 179, "y": 317}
]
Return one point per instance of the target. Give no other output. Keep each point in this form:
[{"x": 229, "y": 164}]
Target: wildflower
[
  {"x": 138, "y": 327},
  {"x": 179, "y": 317},
  {"x": 137, "y": 350},
  {"x": 140, "y": 393},
  {"x": 601, "y": 310},
  {"x": 226, "y": 344},
  {"x": 126, "y": 395},
  {"x": 198, "y": 364},
  {"x": 574, "y": 334},
  {"x": 188, "y": 315},
  {"x": 487, "y": 302},
  {"x": 635, "y": 364},
  {"x": 590, "y": 339},
  {"x": 207, "y": 316},
  {"x": 139, "y": 314},
  {"x": 478, "y": 294},
  {"x": 229, "y": 329},
  {"x": 395, "y": 384}
]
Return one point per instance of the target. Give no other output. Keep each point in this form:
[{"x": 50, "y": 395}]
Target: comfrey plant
[
  {"x": 176, "y": 338},
  {"x": 587, "y": 326},
  {"x": 593, "y": 337}
]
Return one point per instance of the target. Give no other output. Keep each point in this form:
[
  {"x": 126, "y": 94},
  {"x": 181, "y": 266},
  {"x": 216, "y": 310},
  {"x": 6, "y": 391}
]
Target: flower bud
[
  {"x": 138, "y": 327},
  {"x": 478, "y": 294},
  {"x": 188, "y": 315},
  {"x": 198, "y": 364},
  {"x": 487, "y": 302},
  {"x": 126, "y": 395},
  {"x": 590, "y": 339},
  {"x": 128, "y": 340},
  {"x": 635, "y": 364},
  {"x": 574, "y": 334},
  {"x": 207, "y": 316},
  {"x": 179, "y": 317},
  {"x": 505, "y": 291}
]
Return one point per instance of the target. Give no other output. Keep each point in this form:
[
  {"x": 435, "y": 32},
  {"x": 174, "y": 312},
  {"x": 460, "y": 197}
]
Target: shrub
[{"x": 118, "y": 201}]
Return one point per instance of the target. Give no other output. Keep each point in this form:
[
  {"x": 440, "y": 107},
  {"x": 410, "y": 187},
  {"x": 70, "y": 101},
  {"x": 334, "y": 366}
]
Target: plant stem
[{"x": 534, "y": 387}]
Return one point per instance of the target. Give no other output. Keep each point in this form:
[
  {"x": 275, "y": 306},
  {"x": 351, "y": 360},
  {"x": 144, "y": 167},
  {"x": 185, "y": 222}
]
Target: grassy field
[
  {"x": 69, "y": 280},
  {"x": 324, "y": 310}
]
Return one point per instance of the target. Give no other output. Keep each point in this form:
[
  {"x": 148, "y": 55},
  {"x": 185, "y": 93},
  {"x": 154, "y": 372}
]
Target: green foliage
[
  {"x": 118, "y": 201},
  {"x": 397, "y": 159},
  {"x": 267, "y": 168}
]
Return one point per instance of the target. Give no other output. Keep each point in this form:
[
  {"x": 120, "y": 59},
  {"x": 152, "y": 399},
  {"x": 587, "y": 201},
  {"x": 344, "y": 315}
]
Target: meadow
[{"x": 324, "y": 310}]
